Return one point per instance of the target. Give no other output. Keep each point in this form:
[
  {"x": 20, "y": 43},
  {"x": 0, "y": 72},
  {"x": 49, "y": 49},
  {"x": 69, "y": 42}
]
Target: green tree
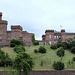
[
  {"x": 58, "y": 65},
  {"x": 33, "y": 40},
  {"x": 15, "y": 42},
  {"x": 23, "y": 62}
]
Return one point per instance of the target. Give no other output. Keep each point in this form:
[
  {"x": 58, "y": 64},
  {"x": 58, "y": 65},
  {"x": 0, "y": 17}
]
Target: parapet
[
  {"x": 16, "y": 27},
  {"x": 0, "y": 15},
  {"x": 63, "y": 30},
  {"x": 49, "y": 31}
]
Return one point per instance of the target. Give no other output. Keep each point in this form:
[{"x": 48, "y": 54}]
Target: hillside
[{"x": 47, "y": 58}]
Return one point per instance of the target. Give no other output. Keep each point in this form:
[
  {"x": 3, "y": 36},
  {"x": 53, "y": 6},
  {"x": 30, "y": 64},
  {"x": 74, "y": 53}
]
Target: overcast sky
[{"x": 35, "y": 16}]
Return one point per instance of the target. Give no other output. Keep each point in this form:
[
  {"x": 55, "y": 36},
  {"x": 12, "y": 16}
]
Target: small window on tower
[{"x": 50, "y": 36}]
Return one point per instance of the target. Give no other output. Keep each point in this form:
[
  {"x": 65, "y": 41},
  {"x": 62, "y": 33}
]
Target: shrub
[
  {"x": 37, "y": 43},
  {"x": 58, "y": 65},
  {"x": 12, "y": 45},
  {"x": 15, "y": 42},
  {"x": 73, "y": 50},
  {"x": 35, "y": 51},
  {"x": 42, "y": 49},
  {"x": 18, "y": 49},
  {"x": 60, "y": 52},
  {"x": 54, "y": 46},
  {"x": 4, "y": 59},
  {"x": 73, "y": 58}
]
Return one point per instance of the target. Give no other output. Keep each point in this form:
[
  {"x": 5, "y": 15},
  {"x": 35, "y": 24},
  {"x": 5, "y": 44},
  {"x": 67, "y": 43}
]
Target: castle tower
[
  {"x": 49, "y": 36},
  {"x": 16, "y": 32},
  {"x": 3, "y": 31},
  {"x": 63, "y": 35}
]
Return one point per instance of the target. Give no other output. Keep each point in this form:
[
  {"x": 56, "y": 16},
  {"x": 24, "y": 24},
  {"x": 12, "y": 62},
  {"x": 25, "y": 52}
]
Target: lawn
[{"x": 47, "y": 58}]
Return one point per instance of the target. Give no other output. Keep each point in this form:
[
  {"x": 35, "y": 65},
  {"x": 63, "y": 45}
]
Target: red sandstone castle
[
  {"x": 15, "y": 33},
  {"x": 52, "y": 36}
]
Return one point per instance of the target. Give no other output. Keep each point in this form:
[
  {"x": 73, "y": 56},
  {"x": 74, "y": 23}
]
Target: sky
[{"x": 36, "y": 16}]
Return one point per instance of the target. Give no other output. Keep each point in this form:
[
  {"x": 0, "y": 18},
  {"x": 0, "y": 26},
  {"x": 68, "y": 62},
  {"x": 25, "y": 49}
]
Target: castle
[
  {"x": 52, "y": 36},
  {"x": 15, "y": 33}
]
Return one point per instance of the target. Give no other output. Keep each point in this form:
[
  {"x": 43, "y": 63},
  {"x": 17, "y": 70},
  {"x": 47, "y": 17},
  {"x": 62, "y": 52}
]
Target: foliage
[
  {"x": 41, "y": 63},
  {"x": 71, "y": 42},
  {"x": 62, "y": 44},
  {"x": 33, "y": 40},
  {"x": 15, "y": 42},
  {"x": 73, "y": 58},
  {"x": 58, "y": 65},
  {"x": 60, "y": 52},
  {"x": 42, "y": 49},
  {"x": 73, "y": 50},
  {"x": 54, "y": 46},
  {"x": 18, "y": 49},
  {"x": 23, "y": 62},
  {"x": 12, "y": 45},
  {"x": 35, "y": 51},
  {"x": 37, "y": 43},
  {"x": 4, "y": 59}
]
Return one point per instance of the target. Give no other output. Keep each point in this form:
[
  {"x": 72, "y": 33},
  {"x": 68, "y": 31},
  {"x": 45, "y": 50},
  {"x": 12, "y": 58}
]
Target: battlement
[
  {"x": 16, "y": 27},
  {"x": 49, "y": 31},
  {"x": 0, "y": 15}
]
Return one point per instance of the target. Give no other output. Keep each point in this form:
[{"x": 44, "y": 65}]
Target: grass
[{"x": 47, "y": 58}]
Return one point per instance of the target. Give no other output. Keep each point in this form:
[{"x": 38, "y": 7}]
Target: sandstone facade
[
  {"x": 52, "y": 36},
  {"x": 15, "y": 33}
]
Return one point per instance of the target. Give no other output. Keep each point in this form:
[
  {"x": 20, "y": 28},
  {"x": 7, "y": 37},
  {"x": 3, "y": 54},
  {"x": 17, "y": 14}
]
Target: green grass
[{"x": 47, "y": 58}]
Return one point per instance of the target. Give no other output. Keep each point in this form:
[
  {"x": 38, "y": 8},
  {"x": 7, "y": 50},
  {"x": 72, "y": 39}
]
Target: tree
[
  {"x": 71, "y": 42},
  {"x": 42, "y": 49},
  {"x": 33, "y": 40},
  {"x": 23, "y": 62},
  {"x": 15, "y": 42},
  {"x": 58, "y": 65},
  {"x": 60, "y": 52}
]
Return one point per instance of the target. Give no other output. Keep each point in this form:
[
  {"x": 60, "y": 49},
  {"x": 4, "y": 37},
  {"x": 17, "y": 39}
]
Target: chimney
[{"x": 0, "y": 16}]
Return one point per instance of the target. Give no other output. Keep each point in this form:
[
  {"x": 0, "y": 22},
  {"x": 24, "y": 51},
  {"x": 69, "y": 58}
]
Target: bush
[
  {"x": 73, "y": 58},
  {"x": 54, "y": 46},
  {"x": 73, "y": 50},
  {"x": 35, "y": 51},
  {"x": 4, "y": 59},
  {"x": 18, "y": 49},
  {"x": 15, "y": 42},
  {"x": 60, "y": 52},
  {"x": 58, "y": 65},
  {"x": 42, "y": 49},
  {"x": 12, "y": 45},
  {"x": 37, "y": 43}
]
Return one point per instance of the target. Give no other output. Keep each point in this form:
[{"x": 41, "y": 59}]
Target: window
[
  {"x": 50, "y": 42},
  {"x": 57, "y": 37},
  {"x": 0, "y": 37},
  {"x": 50, "y": 36},
  {"x": 8, "y": 38},
  {"x": 54, "y": 37}
]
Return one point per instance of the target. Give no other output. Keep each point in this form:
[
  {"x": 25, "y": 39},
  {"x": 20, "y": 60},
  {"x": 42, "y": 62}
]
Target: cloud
[{"x": 38, "y": 15}]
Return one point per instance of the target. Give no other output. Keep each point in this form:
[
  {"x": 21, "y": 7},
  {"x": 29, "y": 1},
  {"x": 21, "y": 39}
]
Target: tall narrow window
[
  {"x": 54, "y": 37},
  {"x": 50, "y": 36},
  {"x": 50, "y": 42},
  {"x": 57, "y": 37},
  {"x": 0, "y": 37}
]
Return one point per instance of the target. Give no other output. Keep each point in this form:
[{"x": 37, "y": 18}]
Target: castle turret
[{"x": 0, "y": 16}]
